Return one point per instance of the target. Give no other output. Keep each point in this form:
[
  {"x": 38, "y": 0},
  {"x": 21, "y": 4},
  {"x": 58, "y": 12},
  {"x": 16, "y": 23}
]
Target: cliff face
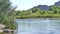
[{"x": 45, "y": 7}]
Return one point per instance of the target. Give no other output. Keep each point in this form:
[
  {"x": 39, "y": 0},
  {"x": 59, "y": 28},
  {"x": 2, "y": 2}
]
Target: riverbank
[
  {"x": 6, "y": 33},
  {"x": 2, "y": 33},
  {"x": 53, "y": 12},
  {"x": 38, "y": 16}
]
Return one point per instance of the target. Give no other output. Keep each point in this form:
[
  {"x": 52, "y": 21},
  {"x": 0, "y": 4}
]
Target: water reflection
[{"x": 38, "y": 26}]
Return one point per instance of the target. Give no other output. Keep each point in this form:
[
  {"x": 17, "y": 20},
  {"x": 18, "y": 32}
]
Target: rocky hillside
[{"x": 45, "y": 7}]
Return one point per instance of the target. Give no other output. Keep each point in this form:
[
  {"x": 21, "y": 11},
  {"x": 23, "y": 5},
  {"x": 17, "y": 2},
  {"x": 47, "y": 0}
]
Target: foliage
[
  {"x": 6, "y": 11},
  {"x": 53, "y": 12}
]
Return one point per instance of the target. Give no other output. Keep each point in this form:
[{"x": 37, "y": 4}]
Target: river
[{"x": 38, "y": 26}]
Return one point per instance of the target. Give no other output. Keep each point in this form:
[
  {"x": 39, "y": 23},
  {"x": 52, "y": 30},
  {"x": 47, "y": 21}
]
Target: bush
[{"x": 4, "y": 19}]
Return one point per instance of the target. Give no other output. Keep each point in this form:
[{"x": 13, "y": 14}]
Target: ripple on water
[{"x": 38, "y": 26}]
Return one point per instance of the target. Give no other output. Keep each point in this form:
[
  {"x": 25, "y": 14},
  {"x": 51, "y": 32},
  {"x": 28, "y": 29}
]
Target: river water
[{"x": 38, "y": 26}]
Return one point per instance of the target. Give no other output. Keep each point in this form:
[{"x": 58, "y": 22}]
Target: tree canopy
[
  {"x": 54, "y": 11},
  {"x": 6, "y": 10}
]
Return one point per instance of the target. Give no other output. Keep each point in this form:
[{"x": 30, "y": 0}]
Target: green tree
[
  {"x": 55, "y": 9},
  {"x": 5, "y": 9},
  {"x": 34, "y": 10},
  {"x": 5, "y": 6}
]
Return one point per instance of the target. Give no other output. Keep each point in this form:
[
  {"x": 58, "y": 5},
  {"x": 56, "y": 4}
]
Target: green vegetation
[
  {"x": 6, "y": 11},
  {"x": 53, "y": 12}
]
